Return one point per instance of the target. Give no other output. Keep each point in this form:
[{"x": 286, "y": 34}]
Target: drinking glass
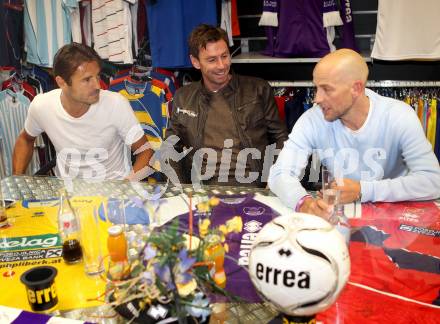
[
  {"x": 329, "y": 194},
  {"x": 91, "y": 240}
]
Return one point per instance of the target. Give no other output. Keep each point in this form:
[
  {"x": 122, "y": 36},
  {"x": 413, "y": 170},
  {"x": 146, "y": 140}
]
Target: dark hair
[
  {"x": 202, "y": 35},
  {"x": 69, "y": 57}
]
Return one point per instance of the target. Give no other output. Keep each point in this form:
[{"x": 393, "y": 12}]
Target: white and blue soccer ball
[{"x": 299, "y": 263}]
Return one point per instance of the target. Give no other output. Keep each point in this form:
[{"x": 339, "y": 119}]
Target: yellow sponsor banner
[{"x": 32, "y": 240}]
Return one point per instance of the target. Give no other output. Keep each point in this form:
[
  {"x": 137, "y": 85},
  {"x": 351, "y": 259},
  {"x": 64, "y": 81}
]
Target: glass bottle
[
  {"x": 215, "y": 252},
  {"x": 117, "y": 244},
  {"x": 119, "y": 267},
  {"x": 69, "y": 230},
  {"x": 3, "y": 216},
  {"x": 341, "y": 223}
]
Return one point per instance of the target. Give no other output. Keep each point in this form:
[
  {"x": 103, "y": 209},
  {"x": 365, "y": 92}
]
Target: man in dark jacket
[{"x": 229, "y": 123}]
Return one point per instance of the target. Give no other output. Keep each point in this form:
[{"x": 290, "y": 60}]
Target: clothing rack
[
  {"x": 295, "y": 97},
  {"x": 370, "y": 84}
]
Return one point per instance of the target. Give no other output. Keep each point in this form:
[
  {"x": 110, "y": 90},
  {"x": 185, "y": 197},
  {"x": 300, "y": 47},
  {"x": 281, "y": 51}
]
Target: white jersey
[
  {"x": 113, "y": 30},
  {"x": 407, "y": 29},
  {"x": 93, "y": 146}
]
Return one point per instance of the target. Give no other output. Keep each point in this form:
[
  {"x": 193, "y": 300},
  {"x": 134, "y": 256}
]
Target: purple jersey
[
  {"x": 300, "y": 31},
  {"x": 255, "y": 215},
  {"x": 347, "y": 29}
]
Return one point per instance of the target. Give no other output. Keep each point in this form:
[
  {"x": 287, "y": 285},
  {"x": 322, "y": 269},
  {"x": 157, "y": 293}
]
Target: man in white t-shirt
[{"x": 91, "y": 129}]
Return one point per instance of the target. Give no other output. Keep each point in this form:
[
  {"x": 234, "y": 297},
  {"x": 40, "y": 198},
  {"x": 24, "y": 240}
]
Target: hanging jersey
[
  {"x": 141, "y": 71},
  {"x": 229, "y": 19},
  {"x": 11, "y": 34},
  {"x": 226, "y": 21},
  {"x": 169, "y": 74},
  {"x": 437, "y": 142},
  {"x": 417, "y": 38},
  {"x": 47, "y": 27},
  {"x": 85, "y": 11},
  {"x": 234, "y": 19},
  {"x": 13, "y": 111},
  {"x": 167, "y": 83},
  {"x": 142, "y": 22},
  {"x": 112, "y": 30},
  {"x": 420, "y": 105},
  {"x": 302, "y": 28},
  {"x": 157, "y": 79},
  {"x": 178, "y": 18},
  {"x": 75, "y": 20},
  {"x": 255, "y": 211},
  {"x": 26, "y": 88},
  {"x": 347, "y": 39},
  {"x": 432, "y": 122},
  {"x": 149, "y": 105}
]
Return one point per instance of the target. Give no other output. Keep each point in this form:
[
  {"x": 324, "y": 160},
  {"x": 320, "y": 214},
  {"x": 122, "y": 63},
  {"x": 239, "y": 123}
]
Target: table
[{"x": 394, "y": 249}]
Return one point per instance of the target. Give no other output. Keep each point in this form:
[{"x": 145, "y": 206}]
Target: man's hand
[
  {"x": 316, "y": 207},
  {"x": 350, "y": 190},
  {"x": 143, "y": 152}
]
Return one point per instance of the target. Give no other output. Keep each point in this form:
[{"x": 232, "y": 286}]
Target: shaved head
[
  {"x": 340, "y": 78},
  {"x": 344, "y": 65}
]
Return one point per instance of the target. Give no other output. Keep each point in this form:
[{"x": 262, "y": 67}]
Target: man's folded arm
[{"x": 23, "y": 149}]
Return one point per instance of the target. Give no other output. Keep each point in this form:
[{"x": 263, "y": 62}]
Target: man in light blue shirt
[{"x": 374, "y": 145}]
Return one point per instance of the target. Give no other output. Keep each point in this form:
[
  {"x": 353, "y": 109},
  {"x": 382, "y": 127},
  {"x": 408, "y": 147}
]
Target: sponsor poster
[{"x": 32, "y": 240}]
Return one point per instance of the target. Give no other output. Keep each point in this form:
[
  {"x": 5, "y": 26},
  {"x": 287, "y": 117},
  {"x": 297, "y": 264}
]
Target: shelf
[
  {"x": 355, "y": 12},
  {"x": 370, "y": 84},
  {"x": 398, "y": 83},
  {"x": 253, "y": 57},
  {"x": 260, "y": 58}
]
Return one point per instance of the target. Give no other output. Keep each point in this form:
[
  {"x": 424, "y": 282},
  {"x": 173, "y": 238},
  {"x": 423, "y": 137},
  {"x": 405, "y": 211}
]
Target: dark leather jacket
[{"x": 253, "y": 109}]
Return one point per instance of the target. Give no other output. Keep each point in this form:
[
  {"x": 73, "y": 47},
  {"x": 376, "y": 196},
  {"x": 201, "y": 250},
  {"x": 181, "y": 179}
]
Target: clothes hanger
[
  {"x": 12, "y": 94},
  {"x": 141, "y": 70}
]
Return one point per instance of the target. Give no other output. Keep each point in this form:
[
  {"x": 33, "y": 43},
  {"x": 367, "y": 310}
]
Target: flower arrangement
[{"x": 176, "y": 269}]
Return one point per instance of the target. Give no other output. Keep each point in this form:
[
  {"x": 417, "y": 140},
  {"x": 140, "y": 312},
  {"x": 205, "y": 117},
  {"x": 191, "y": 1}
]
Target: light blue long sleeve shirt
[{"x": 389, "y": 154}]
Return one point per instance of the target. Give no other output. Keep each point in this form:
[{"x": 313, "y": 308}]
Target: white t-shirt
[{"x": 93, "y": 146}]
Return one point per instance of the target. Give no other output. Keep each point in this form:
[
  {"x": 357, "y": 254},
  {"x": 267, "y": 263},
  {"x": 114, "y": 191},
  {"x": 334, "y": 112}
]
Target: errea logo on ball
[{"x": 287, "y": 278}]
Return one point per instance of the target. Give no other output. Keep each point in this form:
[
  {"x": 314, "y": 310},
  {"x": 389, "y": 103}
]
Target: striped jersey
[
  {"x": 47, "y": 27},
  {"x": 13, "y": 110},
  {"x": 112, "y": 30},
  {"x": 149, "y": 105}
]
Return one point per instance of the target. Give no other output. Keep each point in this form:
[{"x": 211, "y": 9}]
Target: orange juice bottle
[
  {"x": 117, "y": 244},
  {"x": 216, "y": 252}
]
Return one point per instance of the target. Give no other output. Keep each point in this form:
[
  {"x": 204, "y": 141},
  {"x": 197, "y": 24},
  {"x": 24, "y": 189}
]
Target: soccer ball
[{"x": 299, "y": 263}]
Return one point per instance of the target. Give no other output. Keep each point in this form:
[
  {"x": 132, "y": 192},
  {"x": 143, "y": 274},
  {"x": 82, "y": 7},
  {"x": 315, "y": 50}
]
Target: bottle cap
[{"x": 114, "y": 230}]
